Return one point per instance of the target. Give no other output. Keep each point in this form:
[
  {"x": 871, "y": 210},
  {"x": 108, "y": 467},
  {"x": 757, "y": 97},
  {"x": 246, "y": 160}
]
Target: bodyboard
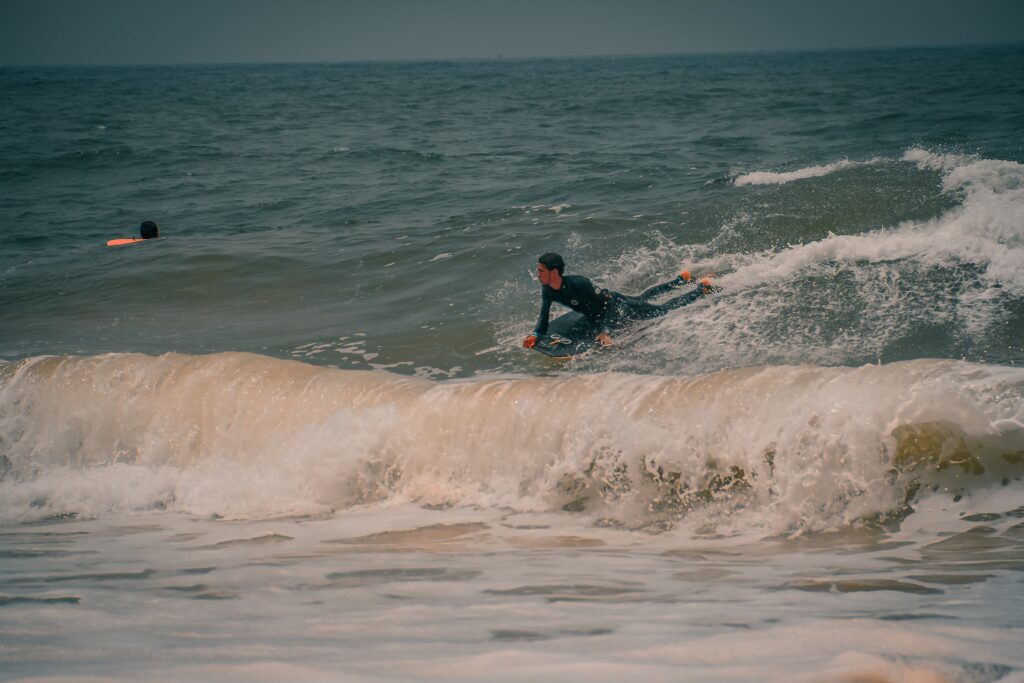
[{"x": 570, "y": 334}]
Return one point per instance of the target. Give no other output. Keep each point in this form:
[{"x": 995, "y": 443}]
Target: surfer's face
[{"x": 544, "y": 274}]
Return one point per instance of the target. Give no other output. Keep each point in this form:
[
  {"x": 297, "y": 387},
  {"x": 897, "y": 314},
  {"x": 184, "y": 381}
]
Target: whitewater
[{"x": 778, "y": 449}]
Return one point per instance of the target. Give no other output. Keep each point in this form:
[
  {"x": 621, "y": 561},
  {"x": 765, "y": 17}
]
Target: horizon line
[{"x": 520, "y": 58}]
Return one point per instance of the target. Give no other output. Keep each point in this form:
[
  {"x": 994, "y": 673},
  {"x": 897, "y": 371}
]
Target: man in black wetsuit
[{"x": 604, "y": 309}]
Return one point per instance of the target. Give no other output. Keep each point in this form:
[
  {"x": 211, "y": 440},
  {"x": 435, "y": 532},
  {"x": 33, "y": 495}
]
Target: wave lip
[{"x": 783, "y": 177}]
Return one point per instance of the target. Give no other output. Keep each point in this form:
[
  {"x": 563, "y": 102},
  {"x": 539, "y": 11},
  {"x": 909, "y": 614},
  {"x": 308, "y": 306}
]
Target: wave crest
[
  {"x": 242, "y": 435},
  {"x": 783, "y": 177}
]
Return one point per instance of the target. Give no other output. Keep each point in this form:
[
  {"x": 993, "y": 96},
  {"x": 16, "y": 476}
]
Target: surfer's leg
[
  {"x": 684, "y": 278},
  {"x": 658, "y": 290},
  {"x": 689, "y": 297},
  {"x": 630, "y": 308}
]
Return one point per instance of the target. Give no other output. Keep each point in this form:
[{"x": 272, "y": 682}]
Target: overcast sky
[{"x": 208, "y": 31}]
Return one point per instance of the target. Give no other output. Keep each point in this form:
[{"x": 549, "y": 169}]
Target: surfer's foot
[
  {"x": 684, "y": 276},
  {"x": 706, "y": 287}
]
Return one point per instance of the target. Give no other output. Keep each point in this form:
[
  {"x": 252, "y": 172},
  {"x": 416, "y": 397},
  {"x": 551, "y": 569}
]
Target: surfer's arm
[
  {"x": 604, "y": 323},
  {"x": 545, "y": 312},
  {"x": 602, "y": 320}
]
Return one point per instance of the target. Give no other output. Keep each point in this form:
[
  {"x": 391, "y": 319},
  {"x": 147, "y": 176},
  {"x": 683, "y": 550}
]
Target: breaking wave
[{"x": 243, "y": 436}]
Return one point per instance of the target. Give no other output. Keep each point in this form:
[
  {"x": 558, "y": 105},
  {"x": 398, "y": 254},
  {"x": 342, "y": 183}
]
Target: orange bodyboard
[{"x": 123, "y": 240}]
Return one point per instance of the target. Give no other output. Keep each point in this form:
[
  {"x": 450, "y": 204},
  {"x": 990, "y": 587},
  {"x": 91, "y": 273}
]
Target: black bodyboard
[{"x": 568, "y": 335}]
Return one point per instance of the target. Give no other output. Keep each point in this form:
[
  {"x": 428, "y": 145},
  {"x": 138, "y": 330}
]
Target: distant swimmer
[
  {"x": 603, "y": 309},
  {"x": 147, "y": 231}
]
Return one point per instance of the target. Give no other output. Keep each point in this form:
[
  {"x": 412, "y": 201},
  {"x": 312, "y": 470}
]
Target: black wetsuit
[{"x": 605, "y": 309}]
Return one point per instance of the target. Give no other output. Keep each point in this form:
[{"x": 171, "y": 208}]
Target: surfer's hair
[
  {"x": 149, "y": 230},
  {"x": 552, "y": 261}
]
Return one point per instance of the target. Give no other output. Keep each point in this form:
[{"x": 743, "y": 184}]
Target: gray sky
[{"x": 206, "y": 31}]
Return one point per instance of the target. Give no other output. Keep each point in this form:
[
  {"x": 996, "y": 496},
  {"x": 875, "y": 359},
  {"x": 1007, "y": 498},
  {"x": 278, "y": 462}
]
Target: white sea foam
[
  {"x": 782, "y": 177},
  {"x": 935, "y": 161}
]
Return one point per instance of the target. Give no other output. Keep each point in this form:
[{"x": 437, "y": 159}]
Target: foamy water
[
  {"x": 778, "y": 449},
  {"x": 398, "y": 593}
]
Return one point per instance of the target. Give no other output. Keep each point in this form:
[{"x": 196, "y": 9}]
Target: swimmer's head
[{"x": 149, "y": 230}]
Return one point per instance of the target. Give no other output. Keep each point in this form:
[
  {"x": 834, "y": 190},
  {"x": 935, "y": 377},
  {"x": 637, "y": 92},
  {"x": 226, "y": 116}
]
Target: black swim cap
[
  {"x": 149, "y": 230},
  {"x": 552, "y": 261}
]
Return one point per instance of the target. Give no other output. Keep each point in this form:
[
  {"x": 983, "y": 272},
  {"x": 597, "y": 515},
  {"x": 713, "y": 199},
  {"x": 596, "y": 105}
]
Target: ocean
[{"x": 298, "y": 438}]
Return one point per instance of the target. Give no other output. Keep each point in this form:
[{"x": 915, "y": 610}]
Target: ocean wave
[
  {"x": 243, "y": 436},
  {"x": 950, "y": 284}
]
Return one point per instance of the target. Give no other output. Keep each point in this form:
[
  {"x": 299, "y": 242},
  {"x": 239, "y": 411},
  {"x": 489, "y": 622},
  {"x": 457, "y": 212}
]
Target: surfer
[
  {"x": 603, "y": 308},
  {"x": 147, "y": 231}
]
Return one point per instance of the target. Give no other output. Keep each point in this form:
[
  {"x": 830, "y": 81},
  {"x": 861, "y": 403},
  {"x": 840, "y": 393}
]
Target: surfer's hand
[
  {"x": 604, "y": 339},
  {"x": 529, "y": 342}
]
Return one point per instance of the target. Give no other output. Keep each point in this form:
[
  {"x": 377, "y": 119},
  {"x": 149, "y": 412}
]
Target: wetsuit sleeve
[
  {"x": 601, "y": 307},
  {"x": 608, "y": 314},
  {"x": 545, "y": 311}
]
